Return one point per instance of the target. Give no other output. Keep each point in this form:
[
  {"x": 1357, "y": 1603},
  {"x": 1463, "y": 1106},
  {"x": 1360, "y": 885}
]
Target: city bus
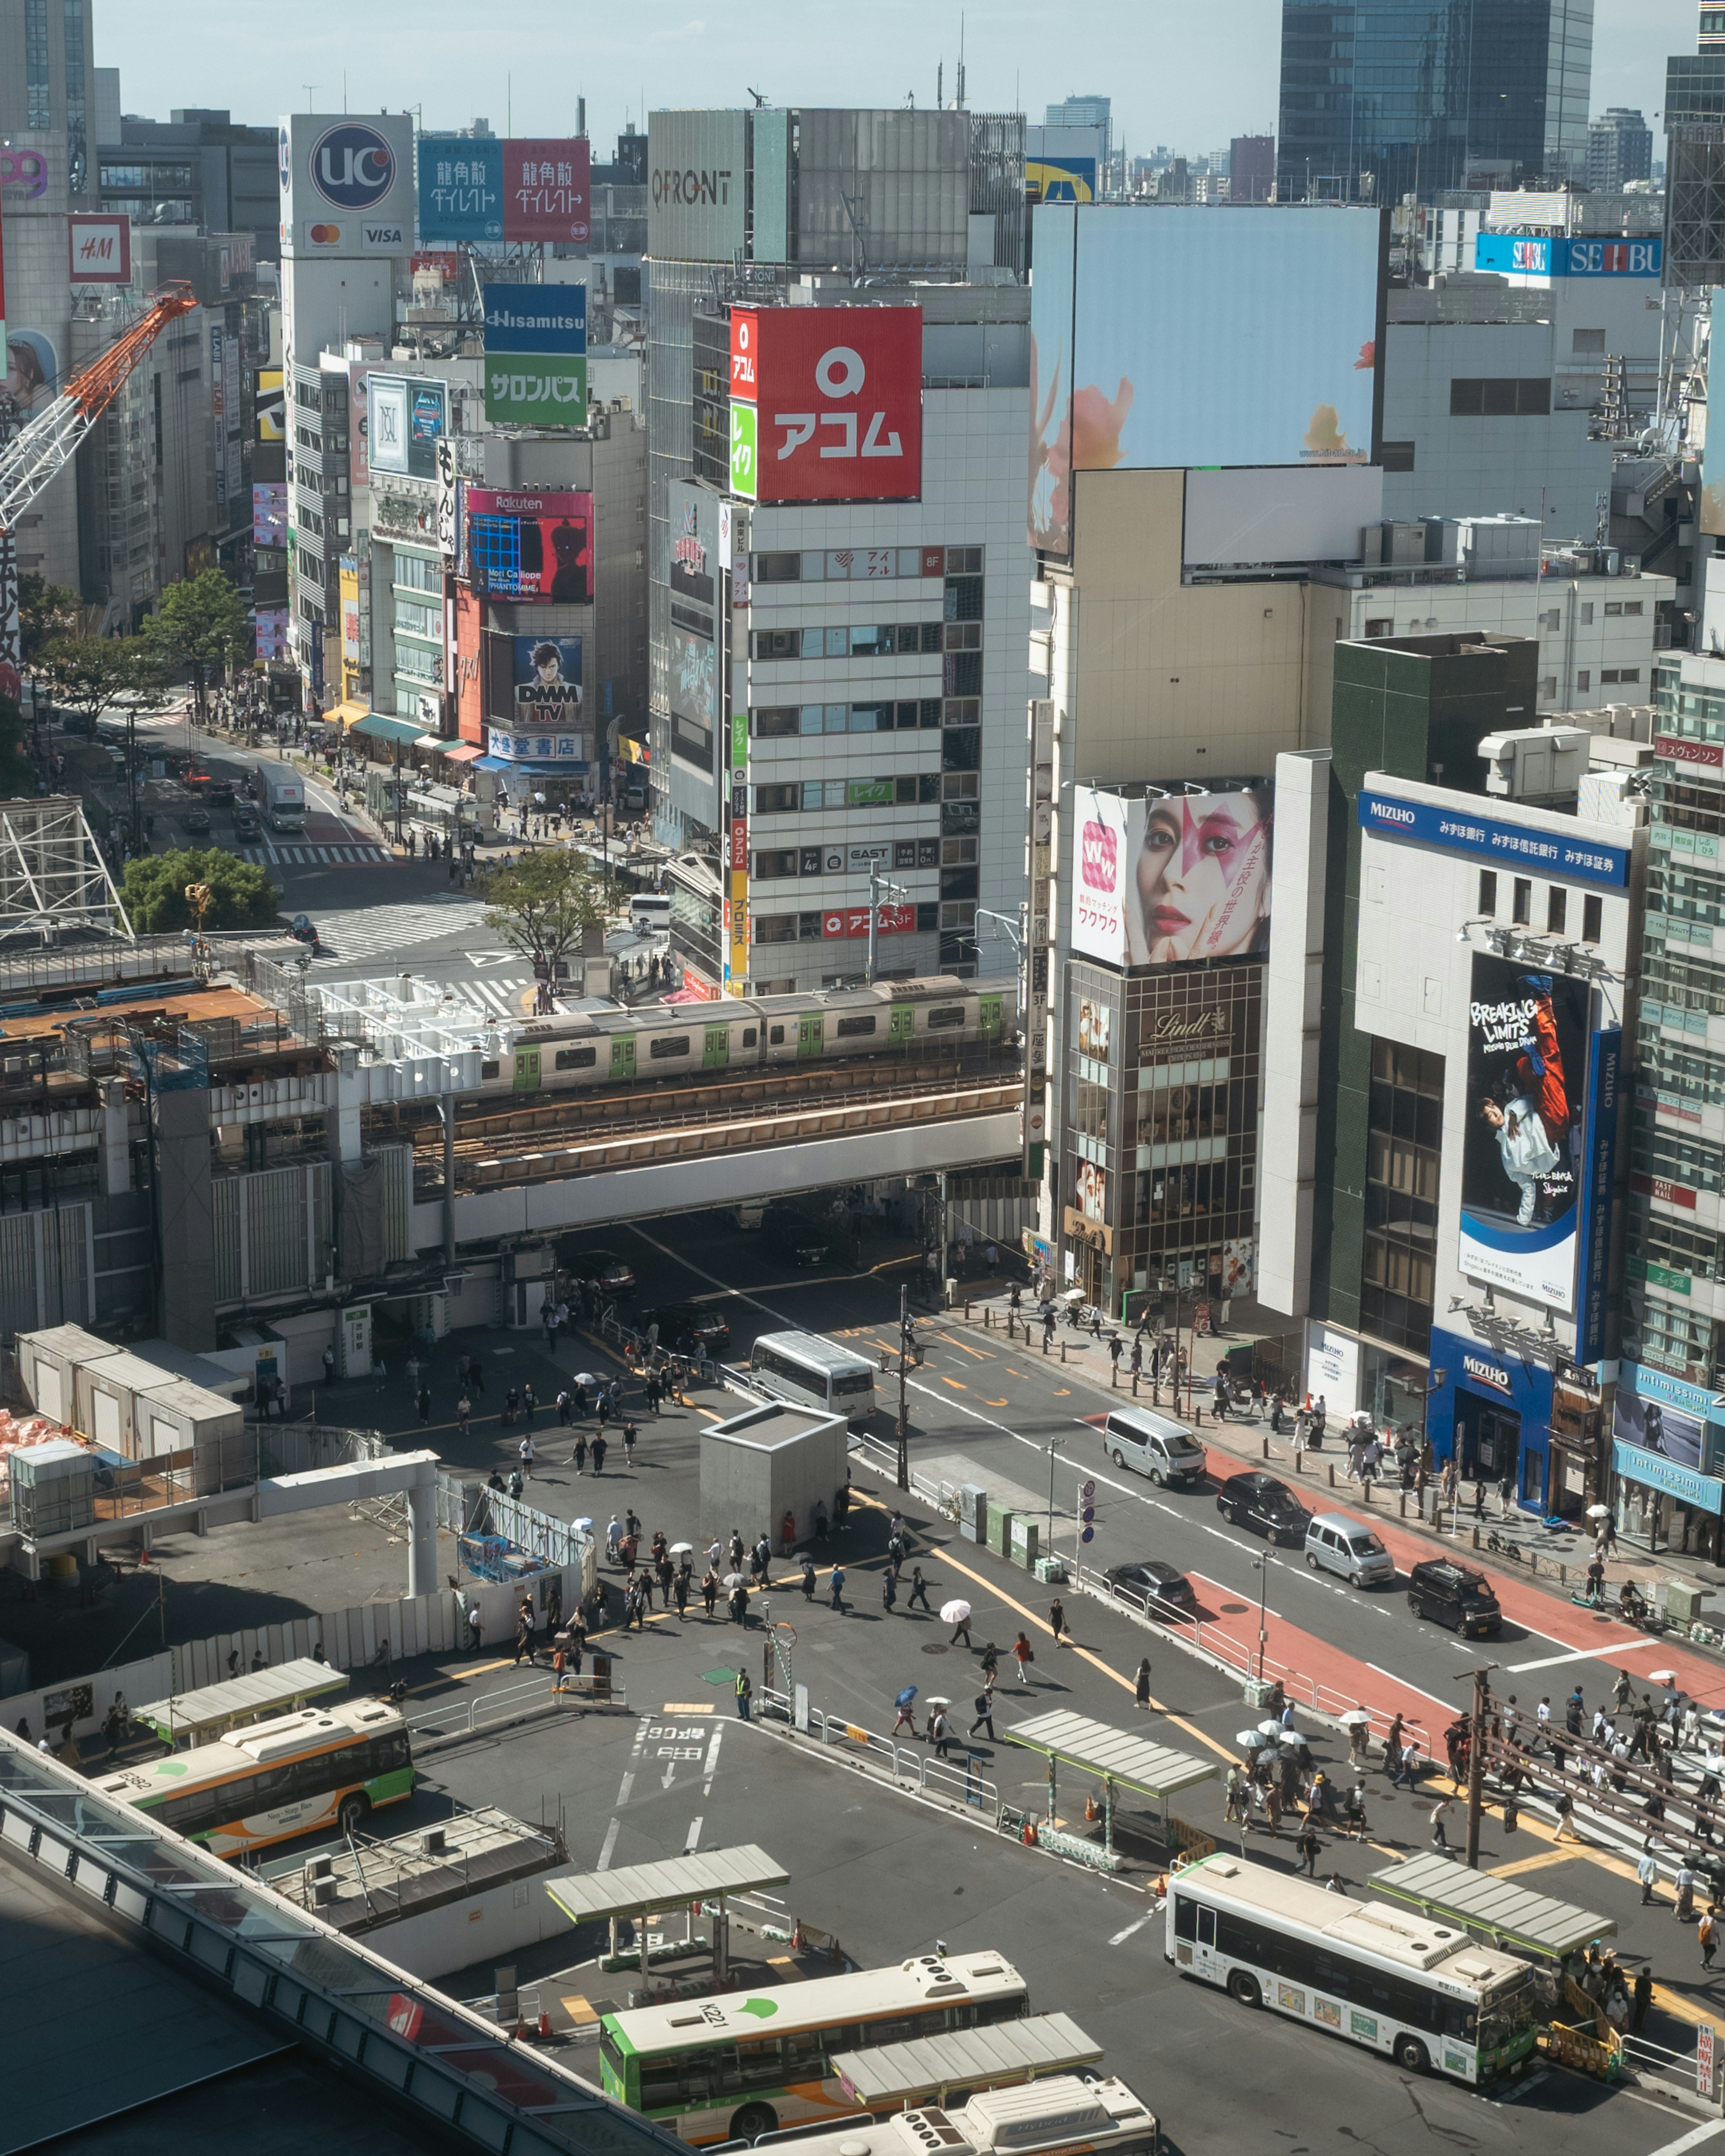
[
  {"x": 731, "y": 2068},
  {"x": 1062, "y": 2116},
  {"x": 1378, "y": 1974},
  {"x": 810, "y": 1370},
  {"x": 320, "y": 1767}
]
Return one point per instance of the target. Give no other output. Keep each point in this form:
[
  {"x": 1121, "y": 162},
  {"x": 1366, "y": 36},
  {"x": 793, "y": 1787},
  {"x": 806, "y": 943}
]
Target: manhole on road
[{"x": 935, "y": 1647}]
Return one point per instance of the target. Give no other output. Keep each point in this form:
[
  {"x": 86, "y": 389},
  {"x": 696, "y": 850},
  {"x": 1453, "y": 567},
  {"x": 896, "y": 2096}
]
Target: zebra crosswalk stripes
[
  {"x": 268, "y": 855},
  {"x": 385, "y": 931},
  {"x": 503, "y": 997}
]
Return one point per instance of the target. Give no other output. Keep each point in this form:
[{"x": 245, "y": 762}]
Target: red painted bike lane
[{"x": 1571, "y": 1628}]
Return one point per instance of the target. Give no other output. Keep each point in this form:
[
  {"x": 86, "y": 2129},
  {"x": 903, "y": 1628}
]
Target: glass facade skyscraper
[{"x": 1384, "y": 98}]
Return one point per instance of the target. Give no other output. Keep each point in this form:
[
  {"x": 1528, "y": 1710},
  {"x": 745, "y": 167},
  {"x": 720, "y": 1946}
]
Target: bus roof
[
  {"x": 284, "y": 1737},
  {"x": 815, "y": 1349},
  {"x": 927, "y": 1980},
  {"x": 1393, "y": 1933}
]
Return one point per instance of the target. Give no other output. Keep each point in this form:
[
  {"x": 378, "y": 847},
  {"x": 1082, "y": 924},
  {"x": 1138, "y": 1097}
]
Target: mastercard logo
[{"x": 324, "y": 235}]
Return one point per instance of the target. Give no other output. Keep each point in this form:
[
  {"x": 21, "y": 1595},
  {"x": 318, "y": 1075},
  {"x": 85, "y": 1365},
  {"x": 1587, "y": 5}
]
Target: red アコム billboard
[{"x": 837, "y": 398}]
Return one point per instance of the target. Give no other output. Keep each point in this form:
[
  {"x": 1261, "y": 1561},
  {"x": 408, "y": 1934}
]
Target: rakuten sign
[{"x": 837, "y": 398}]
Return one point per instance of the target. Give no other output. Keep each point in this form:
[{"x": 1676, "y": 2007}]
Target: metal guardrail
[
  {"x": 502, "y": 1705},
  {"x": 968, "y": 1786}
]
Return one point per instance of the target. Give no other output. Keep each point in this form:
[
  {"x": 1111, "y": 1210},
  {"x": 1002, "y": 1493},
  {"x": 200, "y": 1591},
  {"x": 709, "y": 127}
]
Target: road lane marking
[
  {"x": 1693, "y": 2139},
  {"x": 608, "y": 1844},
  {"x": 1449, "y": 1706},
  {"x": 1137, "y": 1924},
  {"x": 692, "y": 1840},
  {"x": 955, "y": 1384},
  {"x": 1583, "y": 1655}
]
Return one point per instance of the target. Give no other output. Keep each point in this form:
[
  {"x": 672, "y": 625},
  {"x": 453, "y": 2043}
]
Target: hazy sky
[{"x": 1187, "y": 75}]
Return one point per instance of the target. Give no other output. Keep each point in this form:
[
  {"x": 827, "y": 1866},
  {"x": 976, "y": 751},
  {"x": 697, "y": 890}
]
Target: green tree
[
  {"x": 543, "y": 905},
  {"x": 200, "y": 629},
  {"x": 45, "y": 611},
  {"x": 91, "y": 675},
  {"x": 154, "y": 890}
]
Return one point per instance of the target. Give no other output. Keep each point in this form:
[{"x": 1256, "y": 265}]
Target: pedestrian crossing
[
  {"x": 269, "y": 855},
  {"x": 385, "y": 931},
  {"x": 503, "y": 997}
]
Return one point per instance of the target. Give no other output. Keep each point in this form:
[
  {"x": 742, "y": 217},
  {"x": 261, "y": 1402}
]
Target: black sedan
[
  {"x": 1153, "y": 1586},
  {"x": 195, "y": 818},
  {"x": 678, "y": 1322},
  {"x": 611, "y": 1274},
  {"x": 1268, "y": 1507}
]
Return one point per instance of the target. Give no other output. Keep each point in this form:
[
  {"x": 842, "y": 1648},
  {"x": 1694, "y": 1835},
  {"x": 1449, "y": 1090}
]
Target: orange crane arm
[{"x": 94, "y": 387}]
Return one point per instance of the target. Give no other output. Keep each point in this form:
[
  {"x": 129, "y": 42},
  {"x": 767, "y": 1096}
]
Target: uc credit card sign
[{"x": 1517, "y": 255}]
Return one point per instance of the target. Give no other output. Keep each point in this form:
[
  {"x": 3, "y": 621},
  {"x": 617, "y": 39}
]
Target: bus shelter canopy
[
  {"x": 1075, "y": 1741},
  {"x": 993, "y": 2056},
  {"x": 1439, "y": 1886},
  {"x": 214, "y": 1708},
  {"x": 592, "y": 1896}
]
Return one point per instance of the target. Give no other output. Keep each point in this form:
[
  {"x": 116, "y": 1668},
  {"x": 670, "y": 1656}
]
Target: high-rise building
[
  {"x": 196, "y": 167},
  {"x": 1695, "y": 158},
  {"x": 1382, "y": 98},
  {"x": 1085, "y": 112},
  {"x": 1251, "y": 168},
  {"x": 1619, "y": 148},
  {"x": 47, "y": 77}
]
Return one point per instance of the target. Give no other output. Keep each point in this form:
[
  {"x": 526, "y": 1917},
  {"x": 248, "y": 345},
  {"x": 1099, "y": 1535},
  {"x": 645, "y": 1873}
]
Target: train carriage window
[
  {"x": 488, "y": 1070},
  {"x": 849, "y": 1026},
  {"x": 948, "y": 1015},
  {"x": 577, "y": 1059},
  {"x": 775, "y": 1038},
  {"x": 672, "y": 1044},
  {"x": 748, "y": 1036}
]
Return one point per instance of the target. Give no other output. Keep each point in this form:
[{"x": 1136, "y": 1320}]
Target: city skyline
[{"x": 1227, "y": 81}]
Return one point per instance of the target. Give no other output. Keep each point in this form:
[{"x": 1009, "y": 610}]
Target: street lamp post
[{"x": 1260, "y": 1565}]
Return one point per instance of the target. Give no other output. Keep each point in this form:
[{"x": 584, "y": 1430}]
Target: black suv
[
  {"x": 1268, "y": 1507},
  {"x": 1449, "y": 1594}
]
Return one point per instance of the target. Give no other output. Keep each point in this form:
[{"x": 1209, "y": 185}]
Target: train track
[{"x": 738, "y": 1125}]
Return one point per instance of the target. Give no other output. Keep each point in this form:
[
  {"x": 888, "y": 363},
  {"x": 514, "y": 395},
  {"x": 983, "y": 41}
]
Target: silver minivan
[
  {"x": 1335, "y": 1543},
  {"x": 1157, "y": 1447}
]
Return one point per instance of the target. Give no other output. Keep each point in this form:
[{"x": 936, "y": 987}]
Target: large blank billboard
[
  {"x": 1171, "y": 337},
  {"x": 1249, "y": 514}
]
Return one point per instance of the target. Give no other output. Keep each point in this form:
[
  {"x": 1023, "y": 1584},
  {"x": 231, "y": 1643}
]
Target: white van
[
  {"x": 1335, "y": 1543},
  {"x": 1164, "y": 1451},
  {"x": 649, "y": 910},
  {"x": 812, "y": 1370}
]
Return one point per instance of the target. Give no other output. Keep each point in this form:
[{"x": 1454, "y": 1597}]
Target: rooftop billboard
[
  {"x": 483, "y": 190},
  {"x": 1170, "y": 337},
  {"x": 696, "y": 166},
  {"x": 346, "y": 183},
  {"x": 826, "y": 404}
]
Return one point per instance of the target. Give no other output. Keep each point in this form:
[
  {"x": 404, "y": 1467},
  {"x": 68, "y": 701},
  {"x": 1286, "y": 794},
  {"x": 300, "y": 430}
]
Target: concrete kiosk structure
[{"x": 767, "y": 1462}]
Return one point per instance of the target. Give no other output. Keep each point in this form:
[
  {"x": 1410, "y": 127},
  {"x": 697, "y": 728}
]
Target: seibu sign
[{"x": 826, "y": 404}]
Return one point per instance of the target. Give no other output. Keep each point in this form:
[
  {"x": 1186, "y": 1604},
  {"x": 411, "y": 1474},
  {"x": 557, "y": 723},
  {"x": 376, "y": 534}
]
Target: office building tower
[
  {"x": 1399, "y": 96},
  {"x": 47, "y": 78},
  {"x": 1085, "y": 112},
  {"x": 1619, "y": 148},
  {"x": 198, "y": 167},
  {"x": 1695, "y": 158},
  {"x": 1251, "y": 168}
]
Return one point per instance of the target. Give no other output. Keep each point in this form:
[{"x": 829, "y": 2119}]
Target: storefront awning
[
  {"x": 459, "y": 751},
  {"x": 375, "y": 727},
  {"x": 430, "y": 740},
  {"x": 345, "y": 715}
]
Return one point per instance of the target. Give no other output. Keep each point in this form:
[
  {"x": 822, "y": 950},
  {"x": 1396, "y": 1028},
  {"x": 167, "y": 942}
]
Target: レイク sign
[{"x": 826, "y": 404}]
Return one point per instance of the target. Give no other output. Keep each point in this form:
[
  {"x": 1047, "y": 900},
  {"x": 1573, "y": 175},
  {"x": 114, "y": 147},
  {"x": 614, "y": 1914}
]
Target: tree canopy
[
  {"x": 543, "y": 905},
  {"x": 45, "y": 611},
  {"x": 154, "y": 889},
  {"x": 89, "y": 675},
  {"x": 199, "y": 628}
]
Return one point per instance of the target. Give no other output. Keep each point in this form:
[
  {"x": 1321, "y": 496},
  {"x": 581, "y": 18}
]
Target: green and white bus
[
  {"x": 323, "y": 1766},
  {"x": 734, "y": 2067},
  {"x": 1376, "y": 1972}
]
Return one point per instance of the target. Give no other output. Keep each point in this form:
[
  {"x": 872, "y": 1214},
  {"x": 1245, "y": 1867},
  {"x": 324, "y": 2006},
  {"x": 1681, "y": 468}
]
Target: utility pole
[
  {"x": 1476, "y": 1759},
  {"x": 904, "y": 1405},
  {"x": 877, "y": 883}
]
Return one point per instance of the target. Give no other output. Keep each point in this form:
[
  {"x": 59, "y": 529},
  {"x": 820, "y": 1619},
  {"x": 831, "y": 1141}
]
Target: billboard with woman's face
[{"x": 1170, "y": 878}]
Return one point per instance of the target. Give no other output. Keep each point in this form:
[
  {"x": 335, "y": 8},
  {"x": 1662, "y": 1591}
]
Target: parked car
[
  {"x": 1156, "y": 1446},
  {"x": 691, "y": 1320},
  {"x": 1335, "y": 1543},
  {"x": 1454, "y": 1596},
  {"x": 1151, "y": 1582},
  {"x": 611, "y": 1275},
  {"x": 1268, "y": 1507}
]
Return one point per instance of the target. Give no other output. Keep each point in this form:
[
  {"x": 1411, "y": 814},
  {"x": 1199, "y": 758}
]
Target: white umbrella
[
  {"x": 954, "y": 1613},
  {"x": 936, "y": 1699},
  {"x": 1354, "y": 1717},
  {"x": 1599, "y": 1511},
  {"x": 682, "y": 1549},
  {"x": 1291, "y": 1738},
  {"x": 1249, "y": 1738},
  {"x": 1662, "y": 1676},
  {"x": 1270, "y": 1727},
  {"x": 733, "y": 1579},
  {"x": 585, "y": 1377}
]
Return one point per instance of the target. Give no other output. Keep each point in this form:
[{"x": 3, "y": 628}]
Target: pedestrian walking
[
  {"x": 1393, "y": 1745},
  {"x": 1023, "y": 1653},
  {"x": 523, "y": 1633},
  {"x": 1706, "y": 1934},
  {"x": 424, "y": 1403},
  {"x": 463, "y": 1364},
  {"x": 578, "y": 1455},
  {"x": 476, "y": 1625},
  {"x": 380, "y": 1374},
  {"x": 961, "y": 1629},
  {"x": 1688, "y": 1879},
  {"x": 329, "y": 1366},
  {"x": 628, "y": 1444},
  {"x": 1647, "y": 1872},
  {"x": 984, "y": 1704},
  {"x": 1621, "y": 1693},
  {"x": 1439, "y": 1815},
  {"x": 1057, "y": 1621},
  {"x": 598, "y": 1455},
  {"x": 529, "y": 1403},
  {"x": 808, "y": 1579},
  {"x": 919, "y": 1591},
  {"x": 464, "y": 1410},
  {"x": 710, "y": 1590},
  {"x": 1308, "y": 1848},
  {"x": 904, "y": 1717},
  {"x": 1643, "y": 1998},
  {"x": 1564, "y": 1807},
  {"x": 837, "y": 1584},
  {"x": 888, "y": 1590},
  {"x": 1141, "y": 1686},
  {"x": 525, "y": 1450}
]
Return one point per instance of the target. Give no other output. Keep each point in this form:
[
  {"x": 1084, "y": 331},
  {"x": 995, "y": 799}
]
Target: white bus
[
  {"x": 807, "y": 1369},
  {"x": 1061, "y": 2115},
  {"x": 1374, "y": 1971},
  {"x": 730, "y": 2068}
]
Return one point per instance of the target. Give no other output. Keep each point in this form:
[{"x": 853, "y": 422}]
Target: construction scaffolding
[{"x": 54, "y": 886}]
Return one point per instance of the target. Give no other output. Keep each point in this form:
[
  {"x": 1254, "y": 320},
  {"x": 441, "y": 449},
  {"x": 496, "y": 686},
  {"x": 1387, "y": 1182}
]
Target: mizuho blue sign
[{"x": 1456, "y": 830}]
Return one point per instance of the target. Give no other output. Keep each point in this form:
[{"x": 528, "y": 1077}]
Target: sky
[{"x": 1190, "y": 77}]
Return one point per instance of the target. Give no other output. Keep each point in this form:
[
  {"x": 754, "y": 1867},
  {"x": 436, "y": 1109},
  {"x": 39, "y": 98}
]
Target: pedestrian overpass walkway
[{"x": 539, "y": 1169}]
